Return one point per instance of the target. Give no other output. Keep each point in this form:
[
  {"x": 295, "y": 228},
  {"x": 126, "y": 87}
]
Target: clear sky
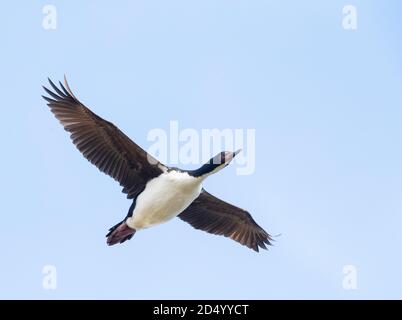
[{"x": 326, "y": 106}]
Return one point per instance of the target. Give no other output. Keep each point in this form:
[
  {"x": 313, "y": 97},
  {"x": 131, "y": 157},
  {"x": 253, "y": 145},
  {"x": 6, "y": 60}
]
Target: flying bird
[{"x": 158, "y": 192}]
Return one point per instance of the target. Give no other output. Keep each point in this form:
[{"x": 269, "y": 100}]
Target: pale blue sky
[{"x": 326, "y": 106}]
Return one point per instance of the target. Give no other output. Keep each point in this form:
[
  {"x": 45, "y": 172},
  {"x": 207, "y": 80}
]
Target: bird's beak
[
  {"x": 231, "y": 155},
  {"x": 236, "y": 152}
]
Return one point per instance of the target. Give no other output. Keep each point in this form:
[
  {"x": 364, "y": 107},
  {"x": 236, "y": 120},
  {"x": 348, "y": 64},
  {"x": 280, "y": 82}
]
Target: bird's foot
[{"x": 119, "y": 233}]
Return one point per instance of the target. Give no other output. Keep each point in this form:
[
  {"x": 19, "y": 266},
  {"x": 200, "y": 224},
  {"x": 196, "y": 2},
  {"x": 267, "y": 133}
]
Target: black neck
[
  {"x": 205, "y": 169},
  {"x": 210, "y": 166}
]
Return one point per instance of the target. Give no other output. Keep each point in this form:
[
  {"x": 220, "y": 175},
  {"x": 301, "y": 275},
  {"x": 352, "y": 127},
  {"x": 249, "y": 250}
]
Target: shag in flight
[{"x": 159, "y": 193}]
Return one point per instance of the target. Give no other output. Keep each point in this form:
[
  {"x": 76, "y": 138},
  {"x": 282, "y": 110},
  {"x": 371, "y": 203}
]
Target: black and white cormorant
[{"x": 159, "y": 192}]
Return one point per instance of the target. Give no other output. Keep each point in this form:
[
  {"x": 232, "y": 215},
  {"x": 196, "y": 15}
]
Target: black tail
[{"x": 119, "y": 233}]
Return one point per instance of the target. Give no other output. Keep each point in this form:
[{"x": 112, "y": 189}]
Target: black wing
[
  {"x": 215, "y": 216},
  {"x": 102, "y": 143}
]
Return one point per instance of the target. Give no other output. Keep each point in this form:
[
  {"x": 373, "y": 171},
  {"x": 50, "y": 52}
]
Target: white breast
[{"x": 164, "y": 198}]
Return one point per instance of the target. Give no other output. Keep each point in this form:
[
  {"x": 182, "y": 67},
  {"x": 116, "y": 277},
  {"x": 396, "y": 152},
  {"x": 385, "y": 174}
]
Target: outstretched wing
[
  {"x": 215, "y": 216},
  {"x": 102, "y": 143}
]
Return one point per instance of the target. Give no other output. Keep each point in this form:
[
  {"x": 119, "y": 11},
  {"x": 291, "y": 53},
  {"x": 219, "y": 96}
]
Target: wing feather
[
  {"x": 215, "y": 216},
  {"x": 102, "y": 143}
]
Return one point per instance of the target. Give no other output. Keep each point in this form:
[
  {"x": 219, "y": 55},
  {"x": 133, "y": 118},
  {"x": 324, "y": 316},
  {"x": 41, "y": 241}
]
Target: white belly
[{"x": 164, "y": 198}]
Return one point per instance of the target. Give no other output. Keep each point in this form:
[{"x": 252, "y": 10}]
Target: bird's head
[{"x": 215, "y": 164}]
